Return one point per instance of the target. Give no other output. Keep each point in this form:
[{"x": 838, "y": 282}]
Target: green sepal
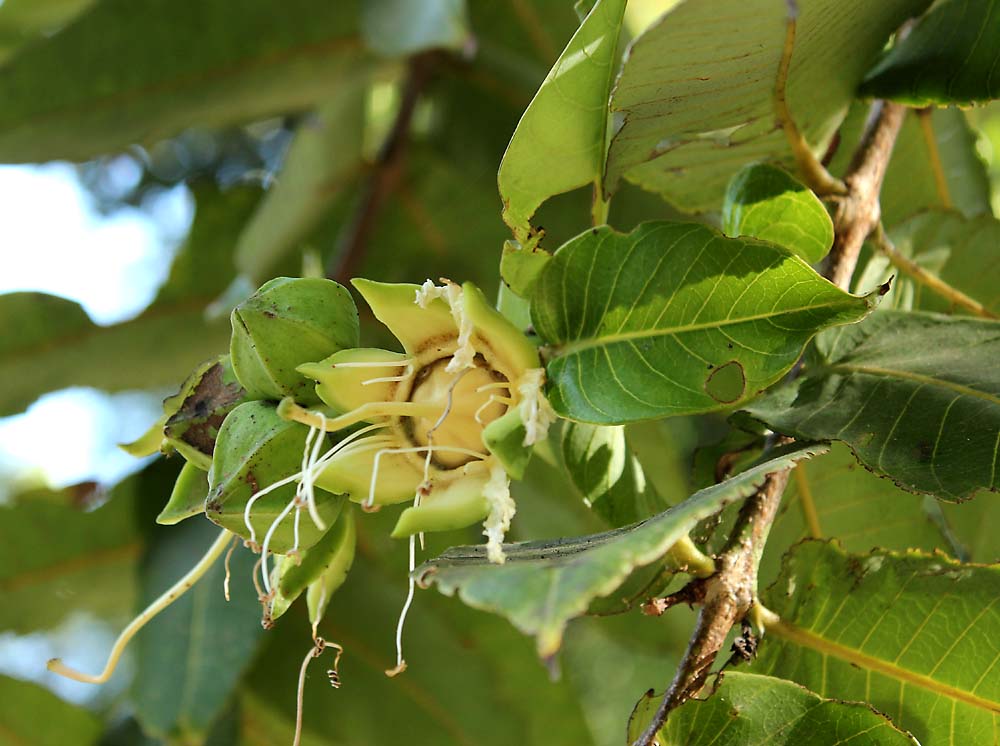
[
  {"x": 288, "y": 322},
  {"x": 255, "y": 449},
  {"x": 335, "y": 571},
  {"x": 314, "y": 560},
  {"x": 504, "y": 437},
  {"x": 505, "y": 340},
  {"x": 457, "y": 505},
  {"x": 208, "y": 397},
  {"x": 188, "y": 496},
  {"x": 395, "y": 305},
  {"x": 149, "y": 442}
]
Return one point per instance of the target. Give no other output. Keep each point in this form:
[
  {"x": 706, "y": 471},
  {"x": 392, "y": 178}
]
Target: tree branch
[
  {"x": 385, "y": 176},
  {"x": 731, "y": 593}
]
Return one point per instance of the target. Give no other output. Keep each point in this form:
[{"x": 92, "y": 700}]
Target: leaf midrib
[
  {"x": 809, "y": 639},
  {"x": 874, "y": 370},
  {"x": 572, "y": 348}
]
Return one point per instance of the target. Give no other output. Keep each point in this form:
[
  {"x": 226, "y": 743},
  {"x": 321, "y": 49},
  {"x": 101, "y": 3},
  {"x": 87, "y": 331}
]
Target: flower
[{"x": 447, "y": 421}]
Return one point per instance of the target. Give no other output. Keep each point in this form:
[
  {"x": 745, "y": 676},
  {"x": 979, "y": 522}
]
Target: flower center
[{"x": 468, "y": 400}]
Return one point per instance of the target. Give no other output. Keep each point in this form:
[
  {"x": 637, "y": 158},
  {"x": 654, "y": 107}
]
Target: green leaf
[
  {"x": 191, "y": 657},
  {"x": 49, "y": 343},
  {"x": 835, "y": 497},
  {"x": 608, "y": 475},
  {"x": 697, "y": 89},
  {"x": 187, "y": 498},
  {"x": 559, "y": 144},
  {"x": 30, "y": 714},
  {"x": 55, "y": 559},
  {"x": 752, "y": 710},
  {"x": 633, "y": 336},
  {"x": 914, "y": 635},
  {"x": 262, "y": 61},
  {"x": 396, "y": 28},
  {"x": 322, "y": 160},
  {"x": 255, "y": 449},
  {"x": 544, "y": 584},
  {"x": 916, "y": 396},
  {"x": 949, "y": 57},
  {"x": 912, "y": 181},
  {"x": 765, "y": 202}
]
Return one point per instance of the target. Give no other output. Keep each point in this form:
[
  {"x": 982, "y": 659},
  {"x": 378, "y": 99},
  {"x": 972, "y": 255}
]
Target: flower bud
[
  {"x": 290, "y": 321},
  {"x": 255, "y": 449}
]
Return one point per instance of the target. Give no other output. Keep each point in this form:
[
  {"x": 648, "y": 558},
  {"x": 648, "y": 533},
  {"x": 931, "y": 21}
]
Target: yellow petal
[
  {"x": 416, "y": 328},
  {"x": 350, "y": 472},
  {"x": 507, "y": 343},
  {"x": 456, "y": 505},
  {"x": 341, "y": 378}
]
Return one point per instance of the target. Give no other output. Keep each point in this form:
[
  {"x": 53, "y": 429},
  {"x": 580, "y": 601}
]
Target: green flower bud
[
  {"x": 255, "y": 449},
  {"x": 284, "y": 324}
]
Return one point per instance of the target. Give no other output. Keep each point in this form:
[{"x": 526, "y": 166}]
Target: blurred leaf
[
  {"x": 914, "y": 635},
  {"x": 916, "y": 396},
  {"x": 56, "y": 559},
  {"x": 835, "y": 497},
  {"x": 949, "y": 57},
  {"x": 190, "y": 659},
  {"x": 544, "y": 584},
  {"x": 33, "y": 716},
  {"x": 633, "y": 338},
  {"x": 608, "y": 475},
  {"x": 912, "y": 181},
  {"x": 765, "y": 202},
  {"x": 748, "y": 710},
  {"x": 323, "y": 158},
  {"x": 697, "y": 89},
  {"x": 559, "y": 144},
  {"x": 396, "y": 28},
  {"x": 153, "y": 72},
  {"x": 471, "y": 679},
  {"x": 22, "y": 21},
  {"x": 49, "y": 343}
]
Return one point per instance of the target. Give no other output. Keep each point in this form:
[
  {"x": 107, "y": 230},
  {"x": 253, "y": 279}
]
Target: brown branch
[
  {"x": 731, "y": 593},
  {"x": 386, "y": 173}
]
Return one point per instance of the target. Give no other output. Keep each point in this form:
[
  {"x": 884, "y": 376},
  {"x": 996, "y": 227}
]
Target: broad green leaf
[
  {"x": 949, "y": 57},
  {"x": 545, "y": 584},
  {"x": 916, "y": 396},
  {"x": 154, "y": 73},
  {"x": 191, "y": 657},
  {"x": 835, "y": 497},
  {"x": 559, "y": 144},
  {"x": 608, "y": 475},
  {"x": 912, "y": 182},
  {"x": 49, "y": 343},
  {"x": 323, "y": 158},
  {"x": 674, "y": 318},
  {"x": 964, "y": 252},
  {"x": 765, "y": 202},
  {"x": 55, "y": 558},
  {"x": 33, "y": 716},
  {"x": 914, "y": 635},
  {"x": 697, "y": 89},
  {"x": 752, "y": 710},
  {"x": 401, "y": 27}
]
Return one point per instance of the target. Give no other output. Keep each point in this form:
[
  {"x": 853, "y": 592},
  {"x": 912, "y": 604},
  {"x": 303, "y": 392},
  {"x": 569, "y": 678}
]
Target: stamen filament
[
  {"x": 319, "y": 645},
  {"x": 496, "y": 385},
  {"x": 229, "y": 556},
  {"x": 267, "y": 540},
  {"x": 414, "y": 449},
  {"x": 375, "y": 364},
  {"x": 390, "y": 379},
  {"x": 177, "y": 590},
  {"x": 292, "y": 411}
]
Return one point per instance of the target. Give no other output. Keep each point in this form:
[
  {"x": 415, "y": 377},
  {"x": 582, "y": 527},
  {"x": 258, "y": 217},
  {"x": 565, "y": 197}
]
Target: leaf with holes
[
  {"x": 674, "y": 318},
  {"x": 544, "y": 584},
  {"x": 915, "y": 395},
  {"x": 752, "y": 710},
  {"x": 949, "y": 57},
  {"x": 765, "y": 202},
  {"x": 914, "y": 635},
  {"x": 559, "y": 143},
  {"x": 697, "y": 88}
]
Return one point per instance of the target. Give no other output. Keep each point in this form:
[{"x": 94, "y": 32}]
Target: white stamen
[
  {"x": 502, "y": 509},
  {"x": 536, "y": 412},
  {"x": 493, "y": 399},
  {"x": 374, "y": 363},
  {"x": 414, "y": 449},
  {"x": 450, "y": 293},
  {"x": 267, "y": 540},
  {"x": 390, "y": 379},
  {"x": 496, "y": 385}
]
